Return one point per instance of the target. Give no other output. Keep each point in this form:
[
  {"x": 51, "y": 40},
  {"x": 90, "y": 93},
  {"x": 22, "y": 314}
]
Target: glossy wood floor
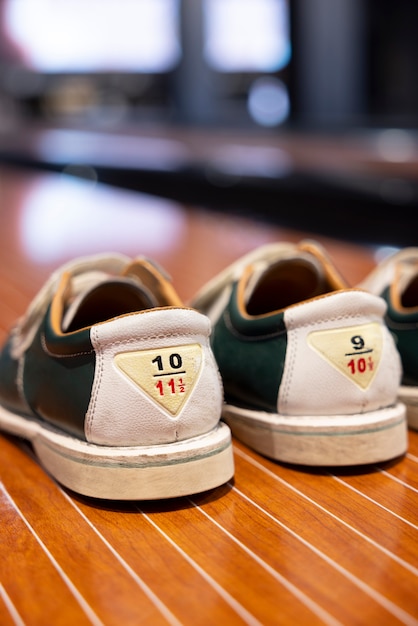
[{"x": 278, "y": 545}]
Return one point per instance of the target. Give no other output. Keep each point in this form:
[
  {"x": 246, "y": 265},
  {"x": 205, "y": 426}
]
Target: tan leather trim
[
  {"x": 57, "y": 304},
  {"x": 333, "y": 276},
  {"x": 154, "y": 282}
]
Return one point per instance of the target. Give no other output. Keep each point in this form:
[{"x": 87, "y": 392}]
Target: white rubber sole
[
  {"x": 409, "y": 396},
  {"x": 129, "y": 473},
  {"x": 338, "y": 440}
]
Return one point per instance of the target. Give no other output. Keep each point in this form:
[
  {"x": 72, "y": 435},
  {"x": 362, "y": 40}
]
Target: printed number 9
[{"x": 358, "y": 342}]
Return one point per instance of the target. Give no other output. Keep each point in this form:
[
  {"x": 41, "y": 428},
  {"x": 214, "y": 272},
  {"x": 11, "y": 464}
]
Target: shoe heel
[
  {"x": 323, "y": 441},
  {"x": 409, "y": 396},
  {"x": 138, "y": 473}
]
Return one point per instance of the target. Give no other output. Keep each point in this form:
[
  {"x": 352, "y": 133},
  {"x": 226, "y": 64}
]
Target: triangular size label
[
  {"x": 166, "y": 375},
  {"x": 354, "y": 351}
]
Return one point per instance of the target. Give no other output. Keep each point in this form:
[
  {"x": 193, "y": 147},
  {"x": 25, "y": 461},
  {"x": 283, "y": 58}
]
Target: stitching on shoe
[
  {"x": 288, "y": 375},
  {"x": 62, "y": 356},
  {"x": 237, "y": 333},
  {"x": 19, "y": 379},
  {"x": 136, "y": 340},
  {"x": 338, "y": 318},
  {"x": 96, "y": 384}
]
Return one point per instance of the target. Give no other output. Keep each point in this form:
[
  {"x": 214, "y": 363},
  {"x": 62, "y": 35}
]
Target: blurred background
[{"x": 301, "y": 112}]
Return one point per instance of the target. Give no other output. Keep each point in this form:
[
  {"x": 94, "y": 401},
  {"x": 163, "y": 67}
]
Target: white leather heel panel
[
  {"x": 313, "y": 385},
  {"x": 123, "y": 414}
]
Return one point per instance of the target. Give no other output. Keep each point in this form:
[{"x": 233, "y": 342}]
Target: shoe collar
[
  {"x": 247, "y": 270},
  {"x": 77, "y": 278}
]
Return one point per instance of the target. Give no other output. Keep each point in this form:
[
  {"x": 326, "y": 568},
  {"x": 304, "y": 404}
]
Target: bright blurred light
[
  {"x": 153, "y": 153},
  {"x": 268, "y": 101},
  {"x": 64, "y": 217},
  {"x": 96, "y": 35},
  {"x": 247, "y": 35},
  {"x": 383, "y": 252},
  {"x": 395, "y": 145}
]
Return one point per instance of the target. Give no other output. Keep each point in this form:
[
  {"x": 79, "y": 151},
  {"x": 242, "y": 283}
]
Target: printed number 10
[{"x": 175, "y": 362}]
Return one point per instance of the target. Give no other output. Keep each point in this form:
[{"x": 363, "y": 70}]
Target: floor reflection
[{"x": 64, "y": 217}]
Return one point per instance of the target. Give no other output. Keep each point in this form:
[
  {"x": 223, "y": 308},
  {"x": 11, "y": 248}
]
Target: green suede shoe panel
[
  {"x": 9, "y": 393},
  {"x": 64, "y": 403},
  {"x": 404, "y": 328},
  {"x": 254, "y": 327},
  {"x": 250, "y": 353},
  {"x": 67, "y": 344}
]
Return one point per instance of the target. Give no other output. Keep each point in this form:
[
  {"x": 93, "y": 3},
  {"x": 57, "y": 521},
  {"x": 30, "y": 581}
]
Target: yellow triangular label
[
  {"x": 354, "y": 351},
  {"x": 167, "y": 375}
]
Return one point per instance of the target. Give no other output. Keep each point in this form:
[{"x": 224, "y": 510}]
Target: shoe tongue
[
  {"x": 276, "y": 285},
  {"x": 95, "y": 296},
  {"x": 104, "y": 298},
  {"x": 407, "y": 283}
]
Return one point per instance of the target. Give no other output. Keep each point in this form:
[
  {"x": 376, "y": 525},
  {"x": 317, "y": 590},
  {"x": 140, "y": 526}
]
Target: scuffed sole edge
[
  {"x": 343, "y": 440},
  {"x": 129, "y": 473},
  {"x": 409, "y": 395}
]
